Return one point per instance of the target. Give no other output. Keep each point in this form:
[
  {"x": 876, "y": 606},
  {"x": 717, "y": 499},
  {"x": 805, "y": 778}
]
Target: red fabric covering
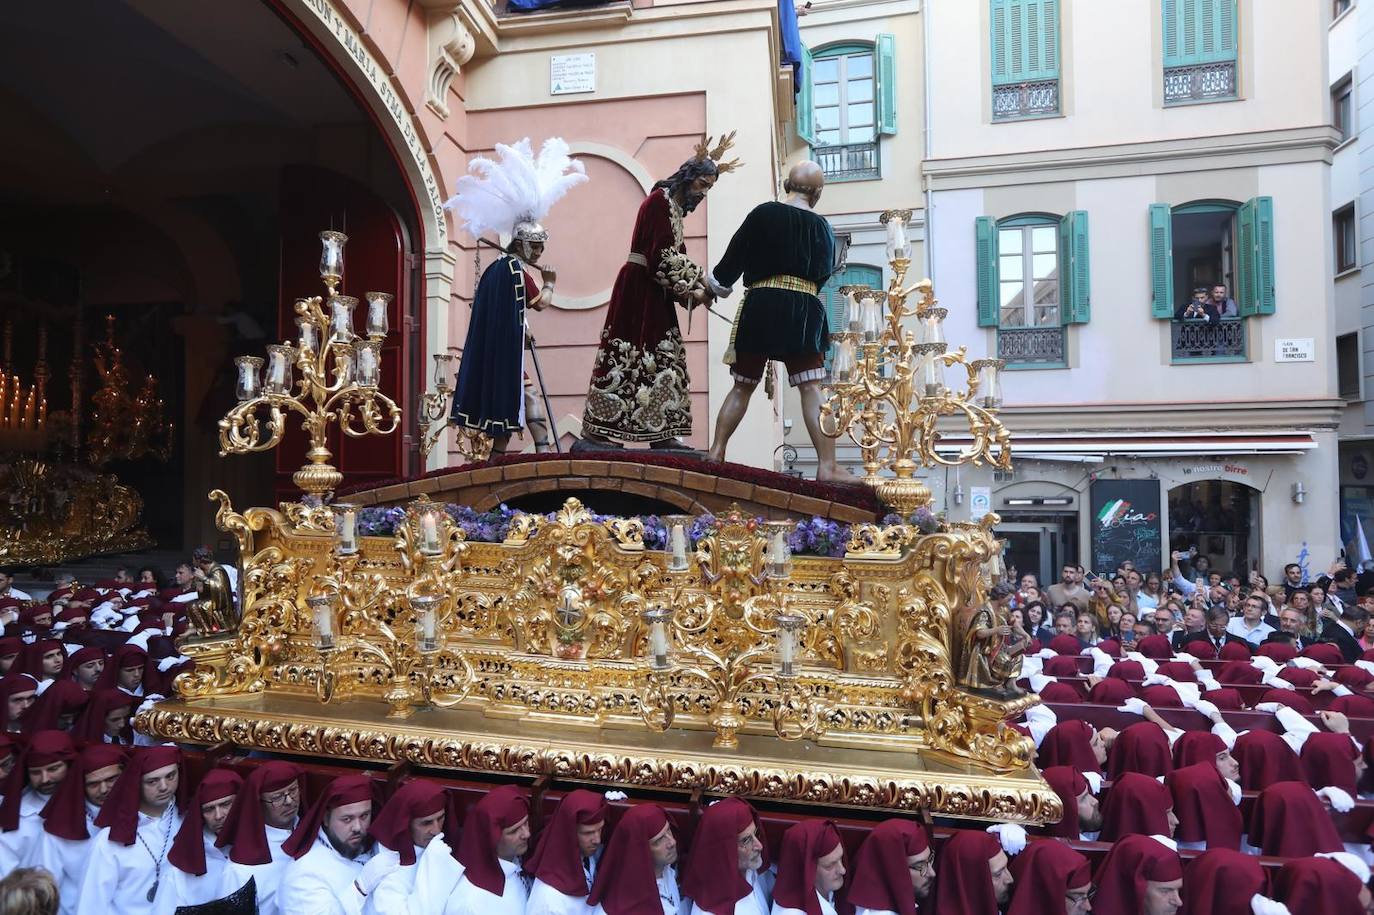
[
  {"x": 625, "y": 882},
  {"x": 1069, "y": 785},
  {"x": 1127, "y": 670},
  {"x": 1043, "y": 874},
  {"x": 126, "y": 657},
  {"x": 1234, "y": 651},
  {"x": 882, "y": 878},
  {"x": 244, "y": 830},
  {"x": 1110, "y": 691},
  {"x": 1265, "y": 758},
  {"x": 1220, "y": 882},
  {"x": 13, "y": 684},
  {"x": 1196, "y": 747},
  {"x": 1225, "y": 698},
  {"x": 34, "y": 652},
  {"x": 1203, "y": 805},
  {"x": 1318, "y": 886},
  {"x": 1201, "y": 649},
  {"x": 1132, "y": 862},
  {"x": 1368, "y": 655},
  {"x": 556, "y": 859},
  {"x": 1302, "y": 679},
  {"x": 963, "y": 881},
  {"x": 803, "y": 845},
  {"x": 1136, "y": 805},
  {"x": 1291, "y": 698},
  {"x": 1324, "y": 653},
  {"x": 1110, "y": 647},
  {"x": 1353, "y": 706},
  {"x": 1288, "y": 819},
  {"x": 1068, "y": 743},
  {"x": 1356, "y": 678},
  {"x": 1061, "y": 666},
  {"x": 1329, "y": 760},
  {"x": 414, "y": 800},
  {"x": 64, "y": 697},
  {"x": 1067, "y": 645},
  {"x": 120, "y": 810},
  {"x": 1181, "y": 671},
  {"x": 1238, "y": 673},
  {"x": 10, "y": 646},
  {"x": 90, "y": 724},
  {"x": 188, "y": 849},
  {"x": 499, "y": 810},
  {"x": 1282, "y": 652},
  {"x": 1060, "y": 692},
  {"x": 43, "y": 749},
  {"x": 1142, "y": 747},
  {"x": 1161, "y": 696},
  {"x": 64, "y": 815},
  {"x": 1155, "y": 647}
]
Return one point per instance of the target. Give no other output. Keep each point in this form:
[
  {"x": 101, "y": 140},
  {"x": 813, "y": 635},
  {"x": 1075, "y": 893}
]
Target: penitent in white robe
[
  {"x": 267, "y": 877},
  {"x": 320, "y": 882},
  {"x": 469, "y": 899},
  {"x": 758, "y": 902},
  {"x": 119, "y": 877},
  {"x": 545, "y": 900},
  {"x": 668, "y": 895},
  {"x": 17, "y": 845},
  {"x": 395, "y": 892},
  {"x": 192, "y": 889},
  {"x": 65, "y": 859},
  {"x": 827, "y": 908}
]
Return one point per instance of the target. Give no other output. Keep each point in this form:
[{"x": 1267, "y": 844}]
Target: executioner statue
[
  {"x": 785, "y": 253},
  {"x": 639, "y": 390},
  {"x": 509, "y": 195}
]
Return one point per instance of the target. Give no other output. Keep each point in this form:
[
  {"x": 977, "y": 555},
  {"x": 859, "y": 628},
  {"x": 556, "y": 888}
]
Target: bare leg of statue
[
  {"x": 537, "y": 423},
  {"x": 828, "y": 469},
  {"x": 727, "y": 421},
  {"x": 499, "y": 443}
]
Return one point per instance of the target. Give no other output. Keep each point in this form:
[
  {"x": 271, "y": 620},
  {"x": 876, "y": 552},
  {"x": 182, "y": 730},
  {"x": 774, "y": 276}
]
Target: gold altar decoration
[
  {"x": 572, "y": 650},
  {"x": 54, "y": 512},
  {"x": 327, "y": 344},
  {"x": 125, "y": 426},
  {"x": 434, "y": 408},
  {"x": 888, "y": 390}
]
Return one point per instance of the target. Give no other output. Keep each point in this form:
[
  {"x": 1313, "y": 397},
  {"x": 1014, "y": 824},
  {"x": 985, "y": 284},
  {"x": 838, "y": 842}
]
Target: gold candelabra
[
  {"x": 888, "y": 390},
  {"x": 326, "y": 345},
  {"x": 726, "y": 643},
  {"x": 434, "y": 409}
]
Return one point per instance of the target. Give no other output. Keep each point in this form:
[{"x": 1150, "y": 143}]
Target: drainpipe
[{"x": 928, "y": 248}]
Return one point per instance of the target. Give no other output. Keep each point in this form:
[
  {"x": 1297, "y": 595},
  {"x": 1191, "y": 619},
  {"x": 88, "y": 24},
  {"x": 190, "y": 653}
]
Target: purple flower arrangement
[{"x": 923, "y": 519}]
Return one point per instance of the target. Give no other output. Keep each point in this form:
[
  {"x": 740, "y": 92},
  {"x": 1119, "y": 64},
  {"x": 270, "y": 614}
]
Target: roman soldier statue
[
  {"x": 785, "y": 252},
  {"x": 639, "y": 390},
  {"x": 510, "y": 195}
]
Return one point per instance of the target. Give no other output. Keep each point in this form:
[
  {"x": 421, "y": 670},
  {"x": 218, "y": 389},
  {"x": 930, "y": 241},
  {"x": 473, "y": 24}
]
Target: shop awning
[{"x": 1099, "y": 446}]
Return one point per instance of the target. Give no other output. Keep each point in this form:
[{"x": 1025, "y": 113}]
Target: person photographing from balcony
[
  {"x": 1224, "y": 307},
  {"x": 1198, "y": 308}
]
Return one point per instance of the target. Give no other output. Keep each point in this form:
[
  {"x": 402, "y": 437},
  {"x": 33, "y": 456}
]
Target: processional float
[{"x": 571, "y": 649}]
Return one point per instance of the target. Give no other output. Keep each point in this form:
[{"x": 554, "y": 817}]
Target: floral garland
[{"x": 811, "y": 537}]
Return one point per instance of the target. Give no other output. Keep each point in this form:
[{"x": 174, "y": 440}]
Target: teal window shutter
[
  {"x": 985, "y": 228},
  {"x": 1075, "y": 306},
  {"x": 885, "y": 49},
  {"x": 1161, "y": 261},
  {"x": 1025, "y": 40},
  {"x": 806, "y": 119},
  {"x": 1198, "y": 31},
  {"x": 1255, "y": 257},
  {"x": 836, "y": 306}
]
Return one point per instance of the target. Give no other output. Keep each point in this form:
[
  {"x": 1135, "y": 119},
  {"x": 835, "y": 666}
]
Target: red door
[{"x": 376, "y": 259}]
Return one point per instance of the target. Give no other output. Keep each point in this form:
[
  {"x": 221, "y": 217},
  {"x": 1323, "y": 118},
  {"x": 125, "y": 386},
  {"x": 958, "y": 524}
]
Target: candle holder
[
  {"x": 322, "y": 621},
  {"x": 789, "y": 639},
  {"x": 898, "y": 243},
  {"x": 426, "y": 608},
  {"x": 895, "y": 394},
  {"x": 679, "y": 544},
  {"x": 367, "y": 363},
  {"x": 989, "y": 382},
  {"x": 429, "y": 524},
  {"x": 329, "y": 388},
  {"x": 345, "y": 527},
  {"x": 657, "y": 620},
  {"x": 378, "y": 308},
  {"x": 279, "y": 359},
  {"x": 778, "y": 566}
]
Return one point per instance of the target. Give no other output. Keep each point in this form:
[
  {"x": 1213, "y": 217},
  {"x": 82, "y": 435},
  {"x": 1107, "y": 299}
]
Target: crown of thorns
[{"x": 705, "y": 151}]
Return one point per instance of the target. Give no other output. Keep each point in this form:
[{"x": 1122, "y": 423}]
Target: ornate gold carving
[{"x": 53, "y": 513}]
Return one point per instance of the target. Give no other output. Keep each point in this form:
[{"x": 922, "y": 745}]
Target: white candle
[
  {"x": 677, "y": 540},
  {"x": 658, "y": 641},
  {"x": 350, "y": 529},
  {"x": 324, "y": 624},
  {"x": 787, "y": 647},
  {"x": 429, "y": 533},
  {"x": 427, "y": 623}
]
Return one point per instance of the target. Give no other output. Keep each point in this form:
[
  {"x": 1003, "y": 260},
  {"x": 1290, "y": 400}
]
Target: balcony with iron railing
[
  {"x": 1025, "y": 100},
  {"x": 1200, "y": 82},
  {"x": 849, "y": 161},
  {"x": 1032, "y": 347},
  {"x": 1208, "y": 341}
]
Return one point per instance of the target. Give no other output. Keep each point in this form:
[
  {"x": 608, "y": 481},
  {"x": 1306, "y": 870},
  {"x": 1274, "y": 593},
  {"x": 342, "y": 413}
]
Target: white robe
[
  {"x": 17, "y": 845},
  {"x": 320, "y": 882},
  {"x": 192, "y": 889},
  {"x": 758, "y": 902},
  {"x": 545, "y": 900},
  {"x": 470, "y": 899},
  {"x": 118, "y": 877},
  {"x": 827, "y": 908},
  {"x": 668, "y": 895},
  {"x": 65, "y": 859},
  {"x": 267, "y": 877},
  {"x": 395, "y": 892}
]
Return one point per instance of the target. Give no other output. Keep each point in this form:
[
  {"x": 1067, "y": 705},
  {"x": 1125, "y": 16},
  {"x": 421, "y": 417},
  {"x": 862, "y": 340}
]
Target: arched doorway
[
  {"x": 1220, "y": 519},
  {"x": 164, "y": 162}
]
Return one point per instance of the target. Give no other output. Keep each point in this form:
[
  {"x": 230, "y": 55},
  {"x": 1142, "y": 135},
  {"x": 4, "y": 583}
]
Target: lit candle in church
[
  {"x": 429, "y": 533},
  {"x": 29, "y": 407},
  {"x": 331, "y": 256},
  {"x": 378, "y": 304}
]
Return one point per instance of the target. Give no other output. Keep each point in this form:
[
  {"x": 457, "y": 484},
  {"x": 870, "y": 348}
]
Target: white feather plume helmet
[{"x": 515, "y": 187}]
